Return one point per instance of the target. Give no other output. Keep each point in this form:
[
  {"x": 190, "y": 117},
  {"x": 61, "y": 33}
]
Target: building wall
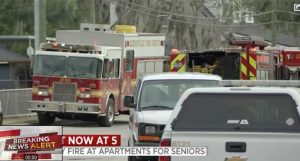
[{"x": 15, "y": 76}]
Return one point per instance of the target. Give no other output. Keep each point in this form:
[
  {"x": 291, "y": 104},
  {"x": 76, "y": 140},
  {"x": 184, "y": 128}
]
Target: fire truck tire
[
  {"x": 108, "y": 120},
  {"x": 45, "y": 118}
]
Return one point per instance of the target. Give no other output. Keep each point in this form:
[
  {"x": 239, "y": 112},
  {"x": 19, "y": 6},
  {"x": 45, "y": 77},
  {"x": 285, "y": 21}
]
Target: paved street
[{"x": 79, "y": 127}]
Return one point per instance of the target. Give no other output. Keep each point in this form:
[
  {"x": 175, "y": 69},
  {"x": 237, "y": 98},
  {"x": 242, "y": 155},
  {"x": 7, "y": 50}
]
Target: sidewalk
[{"x": 15, "y": 120}]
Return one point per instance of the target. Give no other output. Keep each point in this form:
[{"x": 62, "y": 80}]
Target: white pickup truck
[{"x": 236, "y": 124}]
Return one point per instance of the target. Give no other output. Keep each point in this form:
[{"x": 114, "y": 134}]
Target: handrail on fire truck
[
  {"x": 244, "y": 41},
  {"x": 54, "y": 46}
]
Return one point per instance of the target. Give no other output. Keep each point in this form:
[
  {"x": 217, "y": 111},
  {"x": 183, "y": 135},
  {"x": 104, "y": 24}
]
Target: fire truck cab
[{"x": 85, "y": 74}]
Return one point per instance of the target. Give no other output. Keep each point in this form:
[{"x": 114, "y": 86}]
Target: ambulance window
[
  {"x": 129, "y": 60},
  {"x": 117, "y": 68},
  {"x": 105, "y": 73}
]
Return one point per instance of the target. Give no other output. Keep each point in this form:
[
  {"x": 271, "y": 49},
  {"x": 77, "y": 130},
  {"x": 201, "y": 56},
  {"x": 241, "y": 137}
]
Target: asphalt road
[{"x": 81, "y": 127}]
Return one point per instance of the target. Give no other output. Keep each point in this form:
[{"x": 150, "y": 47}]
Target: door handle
[{"x": 235, "y": 147}]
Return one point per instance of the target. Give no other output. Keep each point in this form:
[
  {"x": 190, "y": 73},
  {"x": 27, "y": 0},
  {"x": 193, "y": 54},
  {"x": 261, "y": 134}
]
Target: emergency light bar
[{"x": 54, "y": 46}]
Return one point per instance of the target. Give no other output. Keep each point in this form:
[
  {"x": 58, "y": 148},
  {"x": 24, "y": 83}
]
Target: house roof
[{"x": 12, "y": 57}]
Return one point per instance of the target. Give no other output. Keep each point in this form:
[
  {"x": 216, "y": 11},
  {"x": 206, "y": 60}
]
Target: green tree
[
  {"x": 67, "y": 14},
  {"x": 17, "y": 18}
]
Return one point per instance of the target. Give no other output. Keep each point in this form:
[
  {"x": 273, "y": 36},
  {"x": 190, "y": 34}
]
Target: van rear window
[{"x": 238, "y": 112}]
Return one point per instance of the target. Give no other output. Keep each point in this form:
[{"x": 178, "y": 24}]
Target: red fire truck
[
  {"x": 287, "y": 62},
  {"x": 86, "y": 73},
  {"x": 248, "y": 62}
]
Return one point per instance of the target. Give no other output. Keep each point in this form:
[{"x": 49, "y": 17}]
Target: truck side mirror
[{"x": 129, "y": 102}]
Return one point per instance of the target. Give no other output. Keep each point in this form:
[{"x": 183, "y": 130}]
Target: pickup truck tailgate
[
  {"x": 239, "y": 126},
  {"x": 246, "y": 146}
]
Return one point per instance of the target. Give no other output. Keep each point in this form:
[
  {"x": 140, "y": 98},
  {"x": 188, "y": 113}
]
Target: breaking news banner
[
  {"x": 48, "y": 143},
  {"x": 109, "y": 145},
  {"x": 31, "y": 143},
  {"x": 134, "y": 151}
]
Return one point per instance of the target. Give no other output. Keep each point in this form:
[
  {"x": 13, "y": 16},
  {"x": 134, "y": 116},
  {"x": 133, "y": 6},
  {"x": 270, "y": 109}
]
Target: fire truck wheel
[
  {"x": 45, "y": 118},
  {"x": 108, "y": 120}
]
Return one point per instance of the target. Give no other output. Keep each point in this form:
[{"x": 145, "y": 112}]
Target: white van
[{"x": 154, "y": 99}]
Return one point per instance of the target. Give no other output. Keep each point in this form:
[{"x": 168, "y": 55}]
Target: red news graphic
[
  {"x": 91, "y": 140},
  {"x": 30, "y": 143},
  {"x": 10, "y": 133}
]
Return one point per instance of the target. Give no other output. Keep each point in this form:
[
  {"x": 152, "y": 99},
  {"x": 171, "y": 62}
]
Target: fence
[
  {"x": 15, "y": 84},
  {"x": 14, "y": 101}
]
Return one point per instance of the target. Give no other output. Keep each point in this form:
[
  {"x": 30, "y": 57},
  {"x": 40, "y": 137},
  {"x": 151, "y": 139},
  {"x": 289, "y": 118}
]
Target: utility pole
[
  {"x": 113, "y": 18},
  {"x": 93, "y": 10},
  {"x": 43, "y": 18},
  {"x": 39, "y": 22},
  {"x": 274, "y": 22},
  {"x": 36, "y": 24}
]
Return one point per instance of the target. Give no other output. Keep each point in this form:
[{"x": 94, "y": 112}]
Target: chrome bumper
[{"x": 65, "y": 107}]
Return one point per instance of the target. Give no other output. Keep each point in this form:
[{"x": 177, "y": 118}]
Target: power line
[
  {"x": 293, "y": 13},
  {"x": 290, "y": 22},
  {"x": 196, "y": 17},
  {"x": 201, "y": 24},
  {"x": 190, "y": 16}
]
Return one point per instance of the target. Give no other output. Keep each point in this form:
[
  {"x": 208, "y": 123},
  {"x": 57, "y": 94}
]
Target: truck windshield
[
  {"x": 238, "y": 112},
  {"x": 164, "y": 94},
  {"x": 82, "y": 67},
  {"x": 49, "y": 65}
]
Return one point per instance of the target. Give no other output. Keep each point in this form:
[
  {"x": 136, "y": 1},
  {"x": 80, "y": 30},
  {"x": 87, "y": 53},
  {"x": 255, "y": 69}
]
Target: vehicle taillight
[{"x": 165, "y": 142}]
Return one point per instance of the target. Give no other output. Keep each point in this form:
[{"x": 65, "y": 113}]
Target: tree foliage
[{"x": 17, "y": 18}]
